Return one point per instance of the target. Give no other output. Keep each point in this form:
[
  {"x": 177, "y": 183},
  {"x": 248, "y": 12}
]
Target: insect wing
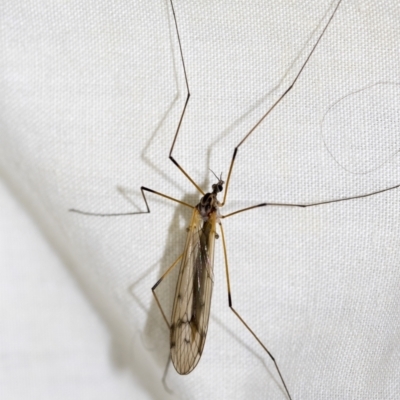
[{"x": 191, "y": 310}]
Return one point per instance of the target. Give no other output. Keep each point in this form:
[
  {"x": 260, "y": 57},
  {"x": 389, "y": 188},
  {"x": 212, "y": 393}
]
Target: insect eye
[{"x": 219, "y": 188}]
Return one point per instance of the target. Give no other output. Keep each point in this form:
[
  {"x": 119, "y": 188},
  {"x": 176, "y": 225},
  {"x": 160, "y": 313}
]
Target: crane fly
[
  {"x": 188, "y": 324},
  {"x": 191, "y": 309}
]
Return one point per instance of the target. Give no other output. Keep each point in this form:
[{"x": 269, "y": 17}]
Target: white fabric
[{"x": 91, "y": 93}]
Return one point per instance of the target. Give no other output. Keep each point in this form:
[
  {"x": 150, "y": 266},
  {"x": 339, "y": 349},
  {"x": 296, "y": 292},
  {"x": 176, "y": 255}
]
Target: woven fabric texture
[{"x": 91, "y": 93}]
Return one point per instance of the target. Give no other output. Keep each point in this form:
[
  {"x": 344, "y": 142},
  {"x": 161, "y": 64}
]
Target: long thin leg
[
  {"x": 184, "y": 107},
  {"x": 143, "y": 189},
  {"x": 310, "y": 204},
  {"x": 241, "y": 319},
  {"x": 153, "y": 289},
  {"x": 276, "y": 102}
]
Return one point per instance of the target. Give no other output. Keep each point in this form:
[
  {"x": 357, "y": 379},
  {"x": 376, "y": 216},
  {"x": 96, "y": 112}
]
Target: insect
[{"x": 188, "y": 324}]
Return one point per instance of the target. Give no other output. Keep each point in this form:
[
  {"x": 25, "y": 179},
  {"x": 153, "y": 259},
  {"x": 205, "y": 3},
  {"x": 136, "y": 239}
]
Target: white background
[{"x": 91, "y": 93}]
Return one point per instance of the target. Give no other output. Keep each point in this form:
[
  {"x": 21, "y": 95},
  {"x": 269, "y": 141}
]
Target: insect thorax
[{"x": 209, "y": 203}]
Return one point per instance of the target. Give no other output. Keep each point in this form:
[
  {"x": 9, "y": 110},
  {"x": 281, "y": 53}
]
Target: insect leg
[
  {"x": 336, "y": 200},
  {"x": 241, "y": 319},
  {"x": 311, "y": 204},
  {"x": 143, "y": 189},
  {"x": 153, "y": 289},
  {"x": 277, "y": 101},
  {"x": 184, "y": 107}
]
